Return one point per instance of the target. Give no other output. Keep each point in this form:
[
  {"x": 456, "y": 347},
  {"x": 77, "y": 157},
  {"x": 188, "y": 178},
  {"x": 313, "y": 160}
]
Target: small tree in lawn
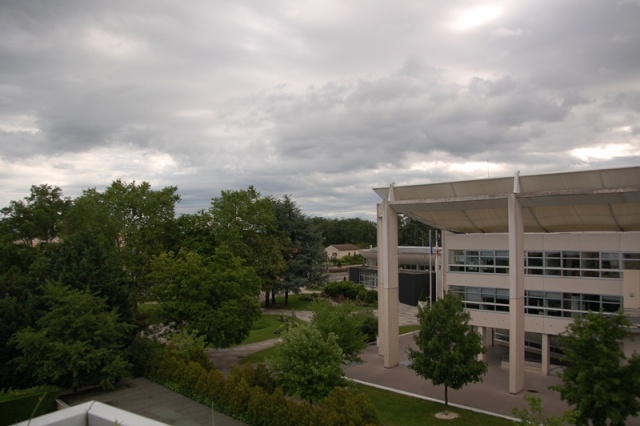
[
  {"x": 306, "y": 364},
  {"x": 448, "y": 348},
  {"x": 600, "y": 382}
]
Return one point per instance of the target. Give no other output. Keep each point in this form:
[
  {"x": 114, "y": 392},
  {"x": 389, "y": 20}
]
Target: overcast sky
[{"x": 321, "y": 100}]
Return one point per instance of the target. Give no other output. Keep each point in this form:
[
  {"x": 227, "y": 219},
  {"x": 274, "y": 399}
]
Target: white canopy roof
[{"x": 593, "y": 200}]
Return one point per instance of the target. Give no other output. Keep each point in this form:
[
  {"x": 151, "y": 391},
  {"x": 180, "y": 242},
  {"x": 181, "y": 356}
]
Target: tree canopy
[
  {"x": 78, "y": 341},
  {"x": 213, "y": 296},
  {"x": 306, "y": 364},
  {"x": 346, "y": 322},
  {"x": 600, "y": 382}
]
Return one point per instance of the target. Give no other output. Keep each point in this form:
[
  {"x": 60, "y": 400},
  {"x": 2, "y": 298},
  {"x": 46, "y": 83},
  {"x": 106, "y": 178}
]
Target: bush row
[
  {"x": 352, "y": 291},
  {"x": 249, "y": 394}
]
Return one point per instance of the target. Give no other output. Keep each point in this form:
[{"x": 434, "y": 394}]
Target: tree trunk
[
  {"x": 273, "y": 297},
  {"x": 446, "y": 399},
  {"x": 266, "y": 299},
  {"x": 286, "y": 298}
]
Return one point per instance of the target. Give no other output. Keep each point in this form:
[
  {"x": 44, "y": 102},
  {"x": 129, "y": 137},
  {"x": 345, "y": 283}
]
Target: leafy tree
[
  {"x": 78, "y": 341},
  {"x": 245, "y": 223},
  {"x": 600, "y": 382},
  {"x": 414, "y": 233},
  {"x": 38, "y": 217},
  {"x": 212, "y": 296},
  {"x": 448, "y": 348},
  {"x": 306, "y": 364},
  {"x": 534, "y": 416},
  {"x": 83, "y": 262},
  {"x": 356, "y": 231},
  {"x": 193, "y": 232},
  {"x": 303, "y": 254},
  {"x": 346, "y": 322}
]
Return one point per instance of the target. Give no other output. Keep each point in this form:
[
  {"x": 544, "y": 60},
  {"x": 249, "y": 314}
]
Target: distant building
[{"x": 337, "y": 251}]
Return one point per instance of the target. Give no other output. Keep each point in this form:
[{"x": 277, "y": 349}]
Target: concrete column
[
  {"x": 516, "y": 294},
  {"x": 546, "y": 355},
  {"x": 388, "y": 321}
]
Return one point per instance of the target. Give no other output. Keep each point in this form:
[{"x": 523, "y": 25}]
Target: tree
[
  {"x": 245, "y": 223},
  {"x": 212, "y": 296},
  {"x": 84, "y": 262},
  {"x": 346, "y": 231},
  {"x": 414, "y": 233},
  {"x": 303, "y": 252},
  {"x": 78, "y": 341},
  {"x": 534, "y": 416},
  {"x": 37, "y": 218},
  {"x": 600, "y": 382},
  {"x": 448, "y": 348},
  {"x": 306, "y": 364},
  {"x": 346, "y": 322}
]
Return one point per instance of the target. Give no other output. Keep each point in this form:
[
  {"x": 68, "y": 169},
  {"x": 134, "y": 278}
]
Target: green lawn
[
  {"x": 404, "y": 329},
  {"x": 400, "y": 410},
  {"x": 295, "y": 303},
  {"x": 263, "y": 329}
]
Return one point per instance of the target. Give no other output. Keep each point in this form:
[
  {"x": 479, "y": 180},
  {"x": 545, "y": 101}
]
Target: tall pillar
[
  {"x": 516, "y": 293},
  {"x": 388, "y": 283},
  {"x": 546, "y": 355}
]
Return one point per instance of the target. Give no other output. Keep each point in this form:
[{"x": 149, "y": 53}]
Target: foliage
[
  {"x": 303, "y": 251},
  {"x": 245, "y": 223},
  {"x": 76, "y": 342},
  {"x": 144, "y": 354},
  {"x": 83, "y": 262},
  {"x": 339, "y": 290},
  {"x": 356, "y": 231},
  {"x": 414, "y": 233},
  {"x": 448, "y": 347},
  {"x": 36, "y": 219},
  {"x": 346, "y": 322},
  {"x": 534, "y": 416},
  {"x": 250, "y": 394},
  {"x": 212, "y": 296},
  {"x": 24, "y": 404},
  {"x": 600, "y": 382},
  {"x": 348, "y": 260},
  {"x": 307, "y": 364}
]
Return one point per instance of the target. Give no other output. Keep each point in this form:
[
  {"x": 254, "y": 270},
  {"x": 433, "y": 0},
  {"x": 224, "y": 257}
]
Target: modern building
[{"x": 527, "y": 254}]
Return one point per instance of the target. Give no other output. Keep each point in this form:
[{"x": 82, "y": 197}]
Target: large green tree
[
  {"x": 303, "y": 252},
  {"x": 448, "y": 348},
  {"x": 306, "y": 364},
  {"x": 38, "y": 217},
  {"x": 215, "y": 297},
  {"x": 347, "y": 322},
  {"x": 599, "y": 381},
  {"x": 360, "y": 232},
  {"x": 245, "y": 223},
  {"x": 78, "y": 341}
]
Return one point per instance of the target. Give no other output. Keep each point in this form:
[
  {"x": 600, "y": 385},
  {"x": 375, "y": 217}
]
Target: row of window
[
  {"x": 549, "y": 303},
  {"x": 551, "y": 263}
]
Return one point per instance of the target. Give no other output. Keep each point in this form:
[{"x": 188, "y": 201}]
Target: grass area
[
  {"x": 258, "y": 357},
  {"x": 395, "y": 409},
  {"x": 296, "y": 303},
  {"x": 404, "y": 329},
  {"x": 263, "y": 329}
]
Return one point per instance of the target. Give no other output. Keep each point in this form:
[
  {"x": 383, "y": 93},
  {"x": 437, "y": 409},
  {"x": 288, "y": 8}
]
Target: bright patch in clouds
[
  {"x": 605, "y": 152},
  {"x": 477, "y": 16}
]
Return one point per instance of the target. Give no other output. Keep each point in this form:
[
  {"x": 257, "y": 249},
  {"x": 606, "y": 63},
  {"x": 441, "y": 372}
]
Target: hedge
[{"x": 249, "y": 394}]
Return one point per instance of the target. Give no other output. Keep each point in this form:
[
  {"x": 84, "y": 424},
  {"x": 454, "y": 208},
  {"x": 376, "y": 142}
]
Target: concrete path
[{"x": 149, "y": 399}]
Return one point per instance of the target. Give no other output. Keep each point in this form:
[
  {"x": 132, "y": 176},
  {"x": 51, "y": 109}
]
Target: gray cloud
[{"x": 322, "y": 101}]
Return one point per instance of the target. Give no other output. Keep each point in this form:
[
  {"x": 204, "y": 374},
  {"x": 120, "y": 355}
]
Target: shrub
[
  {"x": 341, "y": 407},
  {"x": 20, "y": 405}
]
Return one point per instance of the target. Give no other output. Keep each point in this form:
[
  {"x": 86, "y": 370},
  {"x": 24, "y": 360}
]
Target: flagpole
[{"x": 430, "y": 269}]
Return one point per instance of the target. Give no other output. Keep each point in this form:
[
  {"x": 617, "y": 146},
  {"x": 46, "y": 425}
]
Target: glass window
[{"x": 631, "y": 260}]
